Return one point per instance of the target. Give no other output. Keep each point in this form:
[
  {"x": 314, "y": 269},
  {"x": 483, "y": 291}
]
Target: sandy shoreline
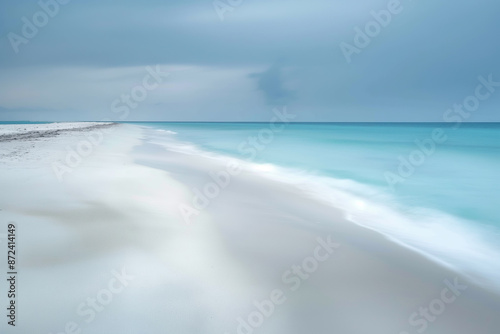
[
  {"x": 11, "y": 132},
  {"x": 120, "y": 208}
]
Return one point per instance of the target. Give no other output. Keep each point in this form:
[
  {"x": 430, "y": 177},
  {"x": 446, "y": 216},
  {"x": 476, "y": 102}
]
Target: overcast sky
[{"x": 236, "y": 62}]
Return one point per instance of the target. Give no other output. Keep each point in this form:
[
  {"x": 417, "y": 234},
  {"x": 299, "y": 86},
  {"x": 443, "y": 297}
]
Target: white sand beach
[{"x": 105, "y": 247}]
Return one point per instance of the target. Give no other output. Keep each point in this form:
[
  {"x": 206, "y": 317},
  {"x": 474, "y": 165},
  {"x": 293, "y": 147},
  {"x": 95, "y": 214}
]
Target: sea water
[{"x": 431, "y": 187}]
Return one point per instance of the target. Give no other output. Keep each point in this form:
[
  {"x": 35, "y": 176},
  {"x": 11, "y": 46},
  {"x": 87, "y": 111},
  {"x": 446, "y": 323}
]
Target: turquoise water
[{"x": 448, "y": 205}]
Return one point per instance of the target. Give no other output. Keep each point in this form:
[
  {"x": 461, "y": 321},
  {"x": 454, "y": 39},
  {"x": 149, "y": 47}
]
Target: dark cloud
[{"x": 273, "y": 85}]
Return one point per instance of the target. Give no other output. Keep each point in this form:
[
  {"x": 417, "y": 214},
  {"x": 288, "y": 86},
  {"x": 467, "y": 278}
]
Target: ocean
[{"x": 430, "y": 187}]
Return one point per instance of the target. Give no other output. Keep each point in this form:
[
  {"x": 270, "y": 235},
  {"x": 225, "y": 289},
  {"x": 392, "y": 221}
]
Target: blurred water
[{"x": 448, "y": 204}]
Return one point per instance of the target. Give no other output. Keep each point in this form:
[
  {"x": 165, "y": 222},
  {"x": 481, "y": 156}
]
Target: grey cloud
[
  {"x": 273, "y": 85},
  {"x": 426, "y": 59}
]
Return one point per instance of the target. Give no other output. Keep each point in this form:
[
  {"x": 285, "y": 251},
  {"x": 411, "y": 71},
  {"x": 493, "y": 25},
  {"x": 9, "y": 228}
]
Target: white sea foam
[
  {"x": 167, "y": 131},
  {"x": 451, "y": 241}
]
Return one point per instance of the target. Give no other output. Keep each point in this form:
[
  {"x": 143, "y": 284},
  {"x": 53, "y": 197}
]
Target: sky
[{"x": 237, "y": 60}]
